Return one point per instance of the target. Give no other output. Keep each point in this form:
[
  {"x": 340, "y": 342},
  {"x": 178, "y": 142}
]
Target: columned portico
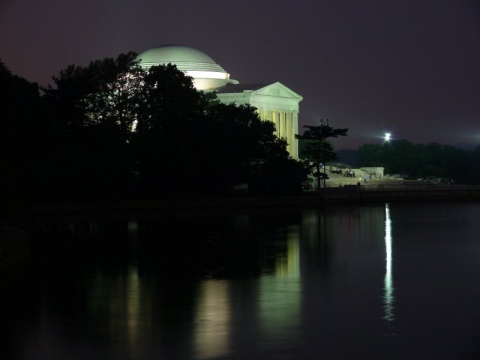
[
  {"x": 286, "y": 126},
  {"x": 275, "y": 102}
]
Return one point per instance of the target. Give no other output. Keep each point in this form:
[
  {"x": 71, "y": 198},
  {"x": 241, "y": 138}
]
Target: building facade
[{"x": 274, "y": 101}]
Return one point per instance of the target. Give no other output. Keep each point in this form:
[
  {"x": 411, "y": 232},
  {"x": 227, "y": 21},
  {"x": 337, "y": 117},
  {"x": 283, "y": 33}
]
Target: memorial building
[{"x": 274, "y": 101}]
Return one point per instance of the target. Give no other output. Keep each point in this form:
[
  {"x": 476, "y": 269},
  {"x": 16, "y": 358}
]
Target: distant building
[{"x": 275, "y": 102}]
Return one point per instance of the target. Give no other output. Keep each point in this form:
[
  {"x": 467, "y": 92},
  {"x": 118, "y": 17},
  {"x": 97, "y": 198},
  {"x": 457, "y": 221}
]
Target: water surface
[{"x": 392, "y": 281}]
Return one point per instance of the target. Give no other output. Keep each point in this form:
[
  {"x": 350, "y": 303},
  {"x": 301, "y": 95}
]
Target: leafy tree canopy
[
  {"x": 117, "y": 130},
  {"x": 317, "y": 150},
  {"x": 420, "y": 161}
]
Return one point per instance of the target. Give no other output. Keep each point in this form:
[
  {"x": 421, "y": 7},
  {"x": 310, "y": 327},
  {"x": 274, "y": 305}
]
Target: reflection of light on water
[
  {"x": 125, "y": 307},
  {"x": 212, "y": 330},
  {"x": 388, "y": 297},
  {"x": 289, "y": 266},
  {"x": 133, "y": 304},
  {"x": 120, "y": 302},
  {"x": 280, "y": 296},
  {"x": 132, "y": 227}
]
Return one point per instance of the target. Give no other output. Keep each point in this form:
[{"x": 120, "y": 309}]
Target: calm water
[{"x": 389, "y": 281}]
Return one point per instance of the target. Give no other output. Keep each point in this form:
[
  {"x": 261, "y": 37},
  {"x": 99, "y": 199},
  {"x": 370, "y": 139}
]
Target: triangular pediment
[{"x": 277, "y": 89}]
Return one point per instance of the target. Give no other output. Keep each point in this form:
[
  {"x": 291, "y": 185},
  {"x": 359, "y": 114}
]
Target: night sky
[{"x": 411, "y": 67}]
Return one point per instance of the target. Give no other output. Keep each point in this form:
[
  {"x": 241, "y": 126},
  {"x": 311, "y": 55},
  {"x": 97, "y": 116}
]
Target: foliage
[
  {"x": 92, "y": 110},
  {"x": 162, "y": 141},
  {"x": 112, "y": 130},
  {"x": 279, "y": 175},
  {"x": 421, "y": 161},
  {"x": 21, "y": 135},
  {"x": 317, "y": 149},
  {"x": 245, "y": 141}
]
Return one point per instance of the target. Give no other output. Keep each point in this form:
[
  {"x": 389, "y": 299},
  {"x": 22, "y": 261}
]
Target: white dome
[{"x": 206, "y": 73}]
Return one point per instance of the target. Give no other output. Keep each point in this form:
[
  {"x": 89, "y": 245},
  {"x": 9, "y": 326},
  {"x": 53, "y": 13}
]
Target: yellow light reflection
[
  {"x": 133, "y": 313},
  {"x": 280, "y": 295},
  {"x": 122, "y": 303},
  {"x": 289, "y": 266},
  {"x": 212, "y": 331},
  {"x": 388, "y": 297}
]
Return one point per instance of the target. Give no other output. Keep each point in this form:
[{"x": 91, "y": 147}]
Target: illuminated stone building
[{"x": 274, "y": 101}]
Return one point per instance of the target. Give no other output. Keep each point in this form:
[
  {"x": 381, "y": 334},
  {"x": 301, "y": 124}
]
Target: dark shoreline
[{"x": 329, "y": 196}]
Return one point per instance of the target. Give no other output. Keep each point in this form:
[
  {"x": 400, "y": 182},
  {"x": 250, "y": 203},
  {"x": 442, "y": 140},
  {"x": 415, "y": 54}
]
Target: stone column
[
  {"x": 285, "y": 127},
  {"x": 281, "y": 129},
  {"x": 268, "y": 115},
  {"x": 263, "y": 114},
  {"x": 295, "y": 131},
  {"x": 292, "y": 135},
  {"x": 271, "y": 117},
  {"x": 277, "y": 123},
  {"x": 288, "y": 131}
]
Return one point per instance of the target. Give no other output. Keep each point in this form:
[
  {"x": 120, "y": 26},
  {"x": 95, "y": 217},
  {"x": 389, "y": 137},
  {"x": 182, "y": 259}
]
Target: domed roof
[
  {"x": 207, "y": 74},
  {"x": 182, "y": 56}
]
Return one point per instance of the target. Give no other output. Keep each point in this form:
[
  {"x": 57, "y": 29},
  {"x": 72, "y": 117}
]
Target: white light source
[{"x": 387, "y": 136}]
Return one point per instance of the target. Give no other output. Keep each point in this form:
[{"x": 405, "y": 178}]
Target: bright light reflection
[
  {"x": 213, "y": 326},
  {"x": 280, "y": 295},
  {"x": 388, "y": 136},
  {"x": 388, "y": 297},
  {"x": 289, "y": 267},
  {"x": 133, "y": 312}
]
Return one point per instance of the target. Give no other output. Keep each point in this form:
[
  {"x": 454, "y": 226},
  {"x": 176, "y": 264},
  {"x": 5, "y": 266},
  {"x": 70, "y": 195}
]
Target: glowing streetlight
[{"x": 387, "y": 136}]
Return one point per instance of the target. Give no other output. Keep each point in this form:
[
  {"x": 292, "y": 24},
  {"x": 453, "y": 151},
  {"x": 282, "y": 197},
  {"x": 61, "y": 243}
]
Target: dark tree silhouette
[
  {"x": 22, "y": 136},
  {"x": 247, "y": 151},
  {"x": 112, "y": 130},
  {"x": 422, "y": 161},
  {"x": 318, "y": 150},
  {"x": 94, "y": 109},
  {"x": 163, "y": 140}
]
